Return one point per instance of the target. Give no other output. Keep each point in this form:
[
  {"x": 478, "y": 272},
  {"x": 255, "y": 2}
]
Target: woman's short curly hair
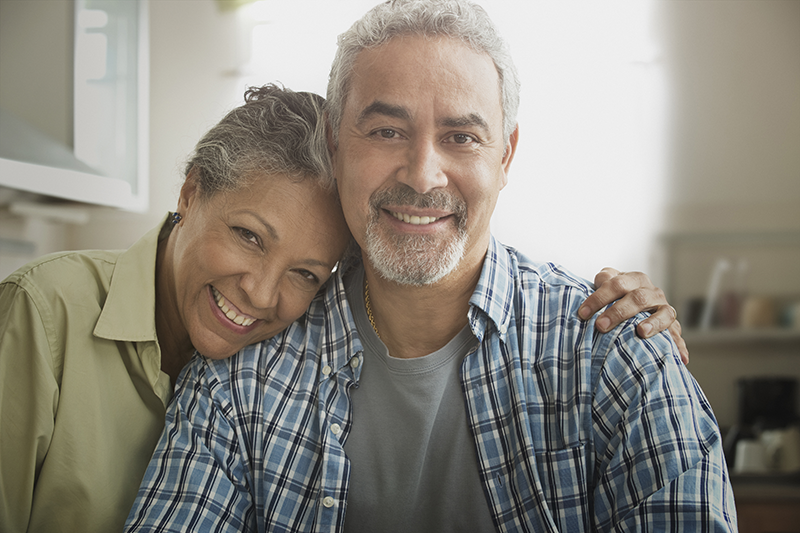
[{"x": 277, "y": 131}]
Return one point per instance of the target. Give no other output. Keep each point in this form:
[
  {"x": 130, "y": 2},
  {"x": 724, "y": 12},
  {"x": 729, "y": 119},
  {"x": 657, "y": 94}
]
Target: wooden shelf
[{"x": 737, "y": 336}]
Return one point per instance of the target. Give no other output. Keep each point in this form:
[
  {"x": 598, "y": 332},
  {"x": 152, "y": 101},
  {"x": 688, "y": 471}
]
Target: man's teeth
[
  {"x": 418, "y": 221},
  {"x": 231, "y": 314}
]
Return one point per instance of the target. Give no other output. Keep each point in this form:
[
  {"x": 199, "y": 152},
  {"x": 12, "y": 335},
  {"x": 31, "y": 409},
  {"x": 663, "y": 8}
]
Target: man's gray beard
[{"x": 415, "y": 259}]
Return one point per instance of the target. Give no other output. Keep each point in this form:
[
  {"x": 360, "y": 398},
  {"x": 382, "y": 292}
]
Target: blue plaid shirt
[{"x": 575, "y": 430}]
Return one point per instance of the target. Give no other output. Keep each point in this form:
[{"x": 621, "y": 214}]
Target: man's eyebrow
[
  {"x": 390, "y": 110},
  {"x": 382, "y": 108},
  {"x": 473, "y": 119}
]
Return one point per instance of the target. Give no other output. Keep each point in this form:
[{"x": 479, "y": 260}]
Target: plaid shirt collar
[
  {"x": 490, "y": 307},
  {"x": 491, "y": 302}
]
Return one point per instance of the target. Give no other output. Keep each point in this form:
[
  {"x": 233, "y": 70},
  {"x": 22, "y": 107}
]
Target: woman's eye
[
  {"x": 248, "y": 235},
  {"x": 308, "y": 276},
  {"x": 305, "y": 280}
]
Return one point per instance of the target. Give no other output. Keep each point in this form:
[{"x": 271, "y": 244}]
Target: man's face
[{"x": 421, "y": 158}]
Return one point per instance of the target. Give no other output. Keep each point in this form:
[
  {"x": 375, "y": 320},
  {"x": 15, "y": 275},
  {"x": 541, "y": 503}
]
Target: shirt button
[
  {"x": 336, "y": 429},
  {"x": 326, "y": 370},
  {"x": 503, "y": 330},
  {"x": 354, "y": 362},
  {"x": 327, "y": 501}
]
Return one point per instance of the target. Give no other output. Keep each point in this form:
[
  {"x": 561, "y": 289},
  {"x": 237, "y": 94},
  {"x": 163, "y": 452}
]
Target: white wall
[{"x": 734, "y": 70}]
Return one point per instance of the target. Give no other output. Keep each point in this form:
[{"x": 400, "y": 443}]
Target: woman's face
[{"x": 246, "y": 264}]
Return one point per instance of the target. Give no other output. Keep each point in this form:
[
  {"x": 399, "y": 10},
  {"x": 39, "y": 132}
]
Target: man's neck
[{"x": 416, "y": 321}]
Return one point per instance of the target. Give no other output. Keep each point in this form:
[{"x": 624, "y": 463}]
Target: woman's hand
[{"x": 635, "y": 293}]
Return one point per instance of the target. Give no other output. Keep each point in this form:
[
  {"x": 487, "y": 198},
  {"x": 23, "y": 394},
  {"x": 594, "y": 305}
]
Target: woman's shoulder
[{"x": 68, "y": 275}]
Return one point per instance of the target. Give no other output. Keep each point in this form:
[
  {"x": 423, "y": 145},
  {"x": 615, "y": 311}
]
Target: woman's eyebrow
[{"x": 269, "y": 228}]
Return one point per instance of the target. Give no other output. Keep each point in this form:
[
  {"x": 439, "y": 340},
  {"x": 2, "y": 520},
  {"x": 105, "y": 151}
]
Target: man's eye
[
  {"x": 387, "y": 133},
  {"x": 462, "y": 138}
]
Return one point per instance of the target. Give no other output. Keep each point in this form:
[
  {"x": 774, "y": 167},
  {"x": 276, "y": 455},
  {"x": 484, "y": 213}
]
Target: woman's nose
[{"x": 262, "y": 289}]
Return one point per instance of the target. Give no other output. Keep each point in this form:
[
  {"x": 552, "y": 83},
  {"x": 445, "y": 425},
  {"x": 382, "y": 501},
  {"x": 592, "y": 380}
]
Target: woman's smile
[{"x": 231, "y": 315}]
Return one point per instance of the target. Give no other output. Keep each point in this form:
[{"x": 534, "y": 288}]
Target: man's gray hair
[
  {"x": 277, "y": 131},
  {"x": 459, "y": 19}
]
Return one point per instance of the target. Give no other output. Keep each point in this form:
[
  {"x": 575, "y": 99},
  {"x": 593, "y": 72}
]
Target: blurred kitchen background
[{"x": 661, "y": 136}]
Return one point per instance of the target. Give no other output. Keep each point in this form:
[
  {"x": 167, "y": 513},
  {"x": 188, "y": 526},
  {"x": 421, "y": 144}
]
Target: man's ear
[
  {"x": 510, "y": 151},
  {"x": 190, "y": 191},
  {"x": 332, "y": 145}
]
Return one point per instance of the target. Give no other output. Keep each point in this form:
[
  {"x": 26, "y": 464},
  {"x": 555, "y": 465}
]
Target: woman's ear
[{"x": 190, "y": 191}]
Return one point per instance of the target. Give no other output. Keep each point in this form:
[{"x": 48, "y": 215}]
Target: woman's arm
[{"x": 633, "y": 292}]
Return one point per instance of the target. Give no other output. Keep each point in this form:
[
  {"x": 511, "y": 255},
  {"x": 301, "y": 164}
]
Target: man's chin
[{"x": 415, "y": 268}]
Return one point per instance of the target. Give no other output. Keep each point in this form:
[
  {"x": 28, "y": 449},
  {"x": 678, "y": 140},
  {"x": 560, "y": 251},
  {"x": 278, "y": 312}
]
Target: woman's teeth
[
  {"x": 230, "y": 313},
  {"x": 417, "y": 221}
]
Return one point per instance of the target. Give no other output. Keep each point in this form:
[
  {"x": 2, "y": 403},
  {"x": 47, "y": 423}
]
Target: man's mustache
[{"x": 403, "y": 195}]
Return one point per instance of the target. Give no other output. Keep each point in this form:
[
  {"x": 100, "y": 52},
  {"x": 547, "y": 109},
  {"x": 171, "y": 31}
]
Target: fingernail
[
  {"x": 583, "y": 313},
  {"x": 646, "y": 329},
  {"x": 603, "y": 323}
]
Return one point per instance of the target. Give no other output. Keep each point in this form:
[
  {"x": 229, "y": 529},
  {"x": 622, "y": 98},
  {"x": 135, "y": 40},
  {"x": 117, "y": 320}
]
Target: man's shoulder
[
  {"x": 531, "y": 294},
  {"x": 539, "y": 274}
]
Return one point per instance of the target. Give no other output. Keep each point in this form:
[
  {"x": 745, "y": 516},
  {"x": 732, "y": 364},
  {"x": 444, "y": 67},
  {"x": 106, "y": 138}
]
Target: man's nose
[{"x": 425, "y": 168}]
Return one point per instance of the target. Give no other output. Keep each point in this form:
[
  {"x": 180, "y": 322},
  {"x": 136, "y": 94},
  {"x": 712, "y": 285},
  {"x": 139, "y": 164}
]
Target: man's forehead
[{"x": 381, "y": 74}]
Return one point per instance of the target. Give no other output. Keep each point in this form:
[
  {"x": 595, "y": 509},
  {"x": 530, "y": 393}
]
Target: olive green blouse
[{"x": 82, "y": 395}]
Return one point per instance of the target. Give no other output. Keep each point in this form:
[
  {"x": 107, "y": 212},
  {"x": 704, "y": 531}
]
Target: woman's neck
[{"x": 173, "y": 338}]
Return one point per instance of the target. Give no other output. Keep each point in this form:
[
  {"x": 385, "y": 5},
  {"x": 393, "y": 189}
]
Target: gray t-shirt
[{"x": 413, "y": 461}]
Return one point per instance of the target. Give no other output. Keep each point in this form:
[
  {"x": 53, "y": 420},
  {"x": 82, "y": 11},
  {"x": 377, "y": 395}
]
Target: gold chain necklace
[{"x": 369, "y": 307}]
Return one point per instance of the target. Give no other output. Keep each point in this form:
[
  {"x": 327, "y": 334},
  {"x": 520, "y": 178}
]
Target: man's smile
[{"x": 414, "y": 219}]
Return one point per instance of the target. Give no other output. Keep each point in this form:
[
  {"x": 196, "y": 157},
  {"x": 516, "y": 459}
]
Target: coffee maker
[{"x": 767, "y": 421}]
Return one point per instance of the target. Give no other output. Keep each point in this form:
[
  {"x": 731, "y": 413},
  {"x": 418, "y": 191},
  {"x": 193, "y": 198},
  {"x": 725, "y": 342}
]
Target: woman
[{"x": 91, "y": 342}]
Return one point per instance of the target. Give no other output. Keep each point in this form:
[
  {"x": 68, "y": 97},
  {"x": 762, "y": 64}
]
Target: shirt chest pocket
[{"x": 565, "y": 480}]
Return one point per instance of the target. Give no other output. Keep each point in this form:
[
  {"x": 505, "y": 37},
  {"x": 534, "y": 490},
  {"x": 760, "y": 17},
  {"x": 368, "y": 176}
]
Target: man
[{"x": 443, "y": 382}]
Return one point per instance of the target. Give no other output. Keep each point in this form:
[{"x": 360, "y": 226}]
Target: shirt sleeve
[
  {"x": 196, "y": 479},
  {"x": 659, "y": 459},
  {"x": 29, "y": 395}
]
